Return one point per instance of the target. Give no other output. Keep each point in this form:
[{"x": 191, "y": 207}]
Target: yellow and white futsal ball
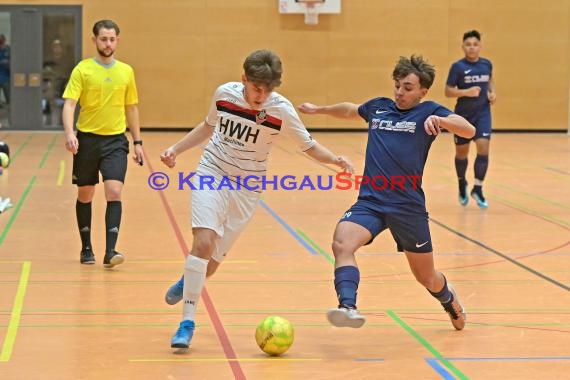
[
  {"x": 274, "y": 335},
  {"x": 4, "y": 160},
  {"x": 4, "y": 155}
]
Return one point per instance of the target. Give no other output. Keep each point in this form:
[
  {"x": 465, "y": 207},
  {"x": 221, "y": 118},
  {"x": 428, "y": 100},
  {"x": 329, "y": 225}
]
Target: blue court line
[
  {"x": 312, "y": 250},
  {"x": 502, "y": 255},
  {"x": 545, "y": 358},
  {"x": 456, "y": 371},
  {"x": 434, "y": 363},
  {"x": 288, "y": 228}
]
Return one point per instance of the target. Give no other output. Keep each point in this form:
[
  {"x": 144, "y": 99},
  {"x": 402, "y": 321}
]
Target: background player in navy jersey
[
  {"x": 470, "y": 80},
  {"x": 244, "y": 121},
  {"x": 400, "y": 133}
]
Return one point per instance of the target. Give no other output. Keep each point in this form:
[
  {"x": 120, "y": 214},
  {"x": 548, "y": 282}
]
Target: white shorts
[{"x": 227, "y": 212}]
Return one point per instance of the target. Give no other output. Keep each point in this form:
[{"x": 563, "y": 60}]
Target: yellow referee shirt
[{"x": 103, "y": 91}]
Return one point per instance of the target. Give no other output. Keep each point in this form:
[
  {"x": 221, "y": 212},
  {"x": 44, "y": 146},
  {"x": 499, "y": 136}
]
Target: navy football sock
[
  {"x": 461, "y": 168},
  {"x": 346, "y": 281},
  {"x": 444, "y": 295},
  {"x": 480, "y": 167}
]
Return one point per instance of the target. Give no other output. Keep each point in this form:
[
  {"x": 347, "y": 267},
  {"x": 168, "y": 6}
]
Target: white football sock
[{"x": 194, "y": 278}]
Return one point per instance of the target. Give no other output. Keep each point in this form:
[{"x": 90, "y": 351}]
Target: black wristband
[{"x": 137, "y": 142}]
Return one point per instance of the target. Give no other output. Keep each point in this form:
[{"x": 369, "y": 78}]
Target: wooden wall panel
[{"x": 182, "y": 50}]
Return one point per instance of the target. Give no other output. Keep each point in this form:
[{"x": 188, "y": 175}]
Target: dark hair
[
  {"x": 416, "y": 64},
  {"x": 263, "y": 67},
  {"x": 472, "y": 33},
  {"x": 105, "y": 24}
]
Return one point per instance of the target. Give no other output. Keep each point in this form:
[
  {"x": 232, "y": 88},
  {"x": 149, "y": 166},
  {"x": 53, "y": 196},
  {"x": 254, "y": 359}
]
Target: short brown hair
[
  {"x": 416, "y": 64},
  {"x": 105, "y": 24},
  {"x": 263, "y": 67}
]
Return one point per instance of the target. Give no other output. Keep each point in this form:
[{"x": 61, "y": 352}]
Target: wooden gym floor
[{"x": 510, "y": 265}]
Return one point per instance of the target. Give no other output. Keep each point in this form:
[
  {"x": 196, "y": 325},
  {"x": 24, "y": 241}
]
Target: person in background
[
  {"x": 106, "y": 90},
  {"x": 470, "y": 80},
  {"x": 5, "y": 68}
]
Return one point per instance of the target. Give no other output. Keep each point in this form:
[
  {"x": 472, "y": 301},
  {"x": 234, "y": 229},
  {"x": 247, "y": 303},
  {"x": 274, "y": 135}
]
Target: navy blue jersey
[
  {"x": 464, "y": 74},
  {"x": 396, "y": 154}
]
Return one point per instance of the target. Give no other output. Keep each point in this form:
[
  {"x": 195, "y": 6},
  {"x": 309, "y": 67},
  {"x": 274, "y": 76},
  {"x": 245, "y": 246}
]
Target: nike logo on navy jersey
[
  {"x": 467, "y": 71},
  {"x": 378, "y": 112}
]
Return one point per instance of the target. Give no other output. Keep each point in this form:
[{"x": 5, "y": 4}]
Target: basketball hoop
[{"x": 311, "y": 10}]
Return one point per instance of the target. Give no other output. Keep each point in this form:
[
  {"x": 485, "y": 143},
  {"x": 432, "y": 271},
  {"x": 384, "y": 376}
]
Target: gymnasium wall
[{"x": 182, "y": 49}]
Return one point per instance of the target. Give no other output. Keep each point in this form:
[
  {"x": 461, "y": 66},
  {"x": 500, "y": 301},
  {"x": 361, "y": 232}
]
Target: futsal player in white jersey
[{"x": 243, "y": 123}]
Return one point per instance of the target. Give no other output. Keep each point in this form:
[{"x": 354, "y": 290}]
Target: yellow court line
[
  {"x": 156, "y": 262},
  {"x": 225, "y": 360},
  {"x": 182, "y": 261},
  {"x": 16, "y": 313},
  {"x": 61, "y": 173}
]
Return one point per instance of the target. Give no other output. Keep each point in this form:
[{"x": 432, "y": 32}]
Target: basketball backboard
[{"x": 310, "y": 8}]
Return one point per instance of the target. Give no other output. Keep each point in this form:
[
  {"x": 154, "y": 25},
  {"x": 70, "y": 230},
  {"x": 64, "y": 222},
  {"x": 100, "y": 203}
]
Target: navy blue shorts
[
  {"x": 410, "y": 231},
  {"x": 99, "y": 153},
  {"x": 482, "y": 123}
]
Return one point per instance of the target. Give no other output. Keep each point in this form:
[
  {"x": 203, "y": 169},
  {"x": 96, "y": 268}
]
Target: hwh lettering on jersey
[
  {"x": 238, "y": 131},
  {"x": 476, "y": 78}
]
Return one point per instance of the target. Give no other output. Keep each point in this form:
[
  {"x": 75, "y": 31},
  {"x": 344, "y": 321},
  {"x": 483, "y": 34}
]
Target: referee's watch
[{"x": 137, "y": 142}]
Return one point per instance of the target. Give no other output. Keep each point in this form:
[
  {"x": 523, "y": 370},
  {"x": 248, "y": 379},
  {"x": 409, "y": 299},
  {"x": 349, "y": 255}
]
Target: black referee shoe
[
  {"x": 112, "y": 259},
  {"x": 87, "y": 257}
]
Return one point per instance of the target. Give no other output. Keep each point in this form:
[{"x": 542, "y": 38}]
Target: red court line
[
  {"x": 212, "y": 313},
  {"x": 475, "y": 264}
]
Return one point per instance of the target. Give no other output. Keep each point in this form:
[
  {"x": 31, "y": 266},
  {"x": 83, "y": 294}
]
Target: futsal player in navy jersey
[
  {"x": 400, "y": 133},
  {"x": 470, "y": 80}
]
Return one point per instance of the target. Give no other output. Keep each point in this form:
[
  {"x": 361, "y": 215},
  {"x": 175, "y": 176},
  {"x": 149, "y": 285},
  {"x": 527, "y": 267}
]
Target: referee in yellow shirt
[{"x": 106, "y": 91}]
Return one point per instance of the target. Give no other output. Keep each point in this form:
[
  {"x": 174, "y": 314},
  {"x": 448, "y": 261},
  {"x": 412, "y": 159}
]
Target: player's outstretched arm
[
  {"x": 453, "y": 123},
  {"x": 198, "y": 134},
  {"x": 344, "y": 110},
  {"x": 322, "y": 154}
]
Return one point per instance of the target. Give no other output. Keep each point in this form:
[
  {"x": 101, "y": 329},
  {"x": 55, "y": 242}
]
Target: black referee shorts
[{"x": 100, "y": 153}]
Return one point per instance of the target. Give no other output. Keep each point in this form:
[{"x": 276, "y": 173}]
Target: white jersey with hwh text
[{"x": 244, "y": 136}]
